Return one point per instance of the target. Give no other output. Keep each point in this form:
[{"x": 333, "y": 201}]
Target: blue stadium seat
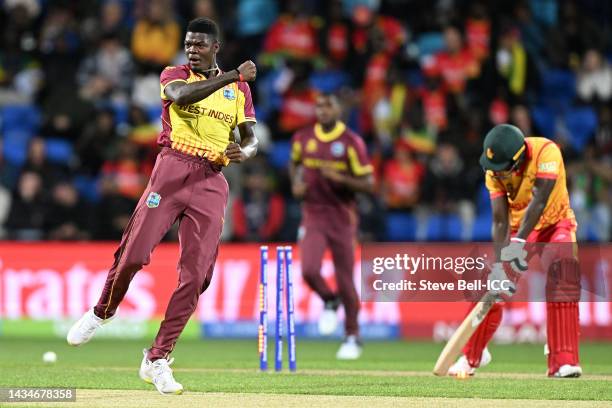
[
  {"x": 121, "y": 114},
  {"x": 430, "y": 43},
  {"x": 482, "y": 228},
  {"x": 23, "y": 117},
  {"x": 444, "y": 228},
  {"x": 15, "y": 153},
  {"x": 400, "y": 227},
  {"x": 154, "y": 113},
  {"x": 558, "y": 89},
  {"x": 544, "y": 119},
  {"x": 87, "y": 188},
  {"x": 279, "y": 154},
  {"x": 451, "y": 228},
  {"x": 58, "y": 150},
  {"x": 483, "y": 202},
  {"x": 329, "y": 81},
  {"x": 582, "y": 124}
]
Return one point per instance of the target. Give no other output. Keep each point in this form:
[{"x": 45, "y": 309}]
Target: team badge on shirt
[
  {"x": 337, "y": 149},
  {"x": 153, "y": 200},
  {"x": 229, "y": 93}
]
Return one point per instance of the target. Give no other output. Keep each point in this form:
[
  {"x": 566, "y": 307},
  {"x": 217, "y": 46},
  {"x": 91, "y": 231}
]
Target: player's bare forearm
[
  {"x": 541, "y": 192},
  {"x": 248, "y": 141},
  {"x": 185, "y": 94},
  {"x": 362, "y": 184},
  {"x": 500, "y": 230},
  {"x": 238, "y": 153},
  {"x": 296, "y": 176}
]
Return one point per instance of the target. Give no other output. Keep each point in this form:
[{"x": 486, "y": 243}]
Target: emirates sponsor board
[{"x": 57, "y": 281}]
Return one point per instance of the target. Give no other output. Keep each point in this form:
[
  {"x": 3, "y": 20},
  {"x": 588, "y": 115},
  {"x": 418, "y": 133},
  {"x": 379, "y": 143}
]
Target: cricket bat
[{"x": 453, "y": 347}]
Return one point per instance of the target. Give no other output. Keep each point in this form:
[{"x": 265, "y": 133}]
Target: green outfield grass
[{"x": 400, "y": 369}]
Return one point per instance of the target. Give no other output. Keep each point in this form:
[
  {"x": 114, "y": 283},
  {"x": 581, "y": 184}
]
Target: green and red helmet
[{"x": 502, "y": 148}]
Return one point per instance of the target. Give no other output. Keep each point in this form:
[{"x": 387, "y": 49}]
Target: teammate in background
[
  {"x": 526, "y": 181},
  {"x": 329, "y": 163},
  {"x": 201, "y": 107}
]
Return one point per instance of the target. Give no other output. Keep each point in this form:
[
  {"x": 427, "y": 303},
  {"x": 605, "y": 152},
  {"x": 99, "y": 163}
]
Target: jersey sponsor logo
[
  {"x": 202, "y": 111},
  {"x": 229, "y": 93},
  {"x": 153, "y": 200},
  {"x": 337, "y": 149},
  {"x": 548, "y": 167},
  {"x": 311, "y": 146}
]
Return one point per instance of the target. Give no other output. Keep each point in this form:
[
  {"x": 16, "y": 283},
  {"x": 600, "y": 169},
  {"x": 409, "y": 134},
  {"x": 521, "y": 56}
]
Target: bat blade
[{"x": 453, "y": 347}]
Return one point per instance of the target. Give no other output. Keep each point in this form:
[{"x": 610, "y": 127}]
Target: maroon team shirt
[{"x": 340, "y": 149}]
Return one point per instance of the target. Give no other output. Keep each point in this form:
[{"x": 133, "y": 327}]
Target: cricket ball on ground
[{"x": 49, "y": 357}]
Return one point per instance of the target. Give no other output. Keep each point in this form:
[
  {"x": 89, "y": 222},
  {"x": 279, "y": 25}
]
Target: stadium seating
[
  {"x": 545, "y": 121},
  {"x": 279, "y": 154},
  {"x": 558, "y": 89},
  {"x": 58, "y": 150},
  {"x": 581, "y": 124},
  {"x": 400, "y": 227}
]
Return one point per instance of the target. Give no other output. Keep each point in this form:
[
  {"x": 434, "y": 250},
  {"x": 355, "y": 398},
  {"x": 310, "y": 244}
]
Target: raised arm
[{"x": 183, "y": 93}]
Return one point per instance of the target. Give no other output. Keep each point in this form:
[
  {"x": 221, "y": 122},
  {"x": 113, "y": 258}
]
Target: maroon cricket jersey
[{"x": 340, "y": 149}]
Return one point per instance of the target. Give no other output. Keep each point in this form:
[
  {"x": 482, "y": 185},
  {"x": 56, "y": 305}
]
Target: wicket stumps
[{"x": 284, "y": 281}]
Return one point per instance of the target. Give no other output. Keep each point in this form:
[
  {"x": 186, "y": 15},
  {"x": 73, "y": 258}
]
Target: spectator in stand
[
  {"x": 446, "y": 191},
  {"x": 20, "y": 73},
  {"x": 37, "y": 162},
  {"x": 122, "y": 183},
  {"x": 456, "y": 65},
  {"x": 143, "y": 134},
  {"x": 111, "y": 21},
  {"x": 96, "y": 143},
  {"x": 298, "y": 107},
  {"x": 156, "y": 37},
  {"x": 259, "y": 211},
  {"x": 293, "y": 35},
  {"x": 336, "y": 36},
  {"x": 514, "y": 65},
  {"x": 478, "y": 30},
  {"x": 253, "y": 17},
  {"x": 26, "y": 219},
  {"x": 402, "y": 177},
  {"x": 522, "y": 120},
  {"x": 594, "y": 84},
  {"x": 67, "y": 216},
  {"x": 106, "y": 76}
]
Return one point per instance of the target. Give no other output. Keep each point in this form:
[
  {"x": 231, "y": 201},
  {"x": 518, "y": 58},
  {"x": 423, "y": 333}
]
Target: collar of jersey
[{"x": 332, "y": 134}]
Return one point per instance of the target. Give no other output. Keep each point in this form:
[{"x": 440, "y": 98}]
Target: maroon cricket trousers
[
  {"x": 330, "y": 227},
  {"x": 193, "y": 191}
]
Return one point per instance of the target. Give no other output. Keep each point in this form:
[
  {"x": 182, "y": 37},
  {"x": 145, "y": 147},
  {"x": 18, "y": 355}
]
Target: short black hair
[
  {"x": 329, "y": 94},
  {"x": 204, "y": 25}
]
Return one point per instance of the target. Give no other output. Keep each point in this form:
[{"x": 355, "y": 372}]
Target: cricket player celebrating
[
  {"x": 526, "y": 181},
  {"x": 201, "y": 107},
  {"x": 329, "y": 163}
]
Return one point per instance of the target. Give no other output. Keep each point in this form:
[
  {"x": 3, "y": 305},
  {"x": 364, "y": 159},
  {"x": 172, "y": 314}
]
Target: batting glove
[
  {"x": 499, "y": 283},
  {"x": 516, "y": 254}
]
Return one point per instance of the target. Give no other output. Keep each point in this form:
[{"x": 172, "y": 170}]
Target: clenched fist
[{"x": 248, "y": 70}]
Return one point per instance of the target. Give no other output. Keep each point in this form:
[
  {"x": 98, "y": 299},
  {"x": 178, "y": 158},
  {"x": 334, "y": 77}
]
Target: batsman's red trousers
[
  {"x": 563, "y": 328},
  {"x": 194, "y": 192}
]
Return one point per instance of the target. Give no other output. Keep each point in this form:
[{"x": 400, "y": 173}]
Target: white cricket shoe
[
  {"x": 350, "y": 349},
  {"x": 328, "y": 321},
  {"x": 85, "y": 328},
  {"x": 568, "y": 371},
  {"x": 462, "y": 365},
  {"x": 159, "y": 374}
]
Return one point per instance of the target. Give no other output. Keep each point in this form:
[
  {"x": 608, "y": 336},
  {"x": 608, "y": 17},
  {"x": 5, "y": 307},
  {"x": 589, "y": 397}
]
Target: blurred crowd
[{"x": 421, "y": 81}]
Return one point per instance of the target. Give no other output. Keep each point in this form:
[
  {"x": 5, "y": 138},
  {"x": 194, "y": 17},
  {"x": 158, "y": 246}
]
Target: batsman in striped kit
[{"x": 526, "y": 181}]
